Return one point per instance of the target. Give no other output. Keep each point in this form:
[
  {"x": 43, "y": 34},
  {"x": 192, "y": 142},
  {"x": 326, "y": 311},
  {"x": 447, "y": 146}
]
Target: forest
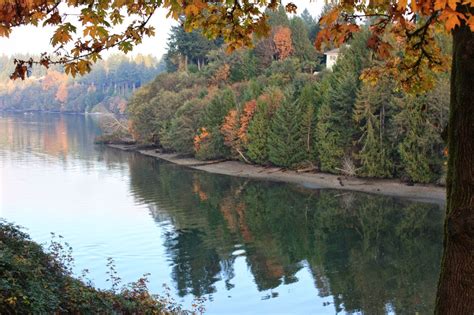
[
  {"x": 105, "y": 89},
  {"x": 278, "y": 104}
]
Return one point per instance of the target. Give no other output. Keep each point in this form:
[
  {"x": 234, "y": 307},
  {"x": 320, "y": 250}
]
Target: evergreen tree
[
  {"x": 303, "y": 48},
  {"x": 286, "y": 145},
  {"x": 307, "y": 101},
  {"x": 192, "y": 46},
  {"x": 418, "y": 149},
  {"x": 311, "y": 24},
  {"x": 278, "y": 17},
  {"x": 257, "y": 149},
  {"x": 213, "y": 118},
  {"x": 329, "y": 152},
  {"x": 259, "y": 127},
  {"x": 372, "y": 114},
  {"x": 342, "y": 86}
]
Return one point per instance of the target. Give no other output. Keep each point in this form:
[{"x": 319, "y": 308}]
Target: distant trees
[
  {"x": 188, "y": 48},
  {"x": 264, "y": 106},
  {"x": 105, "y": 88}
]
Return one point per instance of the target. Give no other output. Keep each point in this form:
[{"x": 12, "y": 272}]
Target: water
[{"x": 250, "y": 247}]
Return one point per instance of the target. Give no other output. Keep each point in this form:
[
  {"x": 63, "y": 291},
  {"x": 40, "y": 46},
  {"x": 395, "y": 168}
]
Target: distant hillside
[{"x": 106, "y": 88}]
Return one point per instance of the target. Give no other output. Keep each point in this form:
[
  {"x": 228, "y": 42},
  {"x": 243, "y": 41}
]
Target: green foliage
[
  {"x": 213, "y": 117},
  {"x": 188, "y": 48},
  {"x": 259, "y": 127},
  {"x": 34, "y": 281},
  {"x": 179, "y": 135},
  {"x": 304, "y": 48},
  {"x": 285, "y": 141},
  {"x": 257, "y": 147},
  {"x": 278, "y": 17},
  {"x": 419, "y": 141},
  {"x": 329, "y": 151},
  {"x": 329, "y": 119},
  {"x": 335, "y": 124},
  {"x": 308, "y": 102},
  {"x": 373, "y": 114}
]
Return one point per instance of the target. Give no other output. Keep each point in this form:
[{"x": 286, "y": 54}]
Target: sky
[{"x": 35, "y": 40}]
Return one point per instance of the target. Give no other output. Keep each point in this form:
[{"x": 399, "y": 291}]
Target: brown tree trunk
[{"x": 456, "y": 284}]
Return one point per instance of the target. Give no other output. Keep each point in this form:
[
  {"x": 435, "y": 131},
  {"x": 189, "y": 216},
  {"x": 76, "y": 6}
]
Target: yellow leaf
[{"x": 191, "y": 10}]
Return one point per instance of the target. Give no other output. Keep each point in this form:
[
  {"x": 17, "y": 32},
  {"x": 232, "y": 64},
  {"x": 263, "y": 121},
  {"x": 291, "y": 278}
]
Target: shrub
[{"x": 33, "y": 281}]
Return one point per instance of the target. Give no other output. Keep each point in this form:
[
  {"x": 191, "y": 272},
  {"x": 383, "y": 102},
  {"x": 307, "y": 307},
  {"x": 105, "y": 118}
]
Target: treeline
[
  {"x": 106, "y": 88},
  {"x": 267, "y": 105}
]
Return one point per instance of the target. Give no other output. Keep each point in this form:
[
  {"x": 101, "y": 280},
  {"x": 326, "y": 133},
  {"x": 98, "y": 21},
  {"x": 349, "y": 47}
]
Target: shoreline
[{"x": 389, "y": 187}]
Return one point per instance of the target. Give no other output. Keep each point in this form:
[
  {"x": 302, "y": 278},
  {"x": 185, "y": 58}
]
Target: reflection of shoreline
[
  {"x": 388, "y": 187},
  {"x": 40, "y": 111},
  {"x": 364, "y": 252}
]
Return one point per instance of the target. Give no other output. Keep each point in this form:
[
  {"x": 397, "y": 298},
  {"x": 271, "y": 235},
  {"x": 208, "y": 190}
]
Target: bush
[{"x": 33, "y": 281}]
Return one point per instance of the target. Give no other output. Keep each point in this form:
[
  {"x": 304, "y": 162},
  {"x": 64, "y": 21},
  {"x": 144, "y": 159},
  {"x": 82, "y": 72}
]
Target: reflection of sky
[{"x": 90, "y": 204}]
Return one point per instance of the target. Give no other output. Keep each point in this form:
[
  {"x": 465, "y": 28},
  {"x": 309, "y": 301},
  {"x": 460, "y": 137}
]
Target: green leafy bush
[{"x": 33, "y": 281}]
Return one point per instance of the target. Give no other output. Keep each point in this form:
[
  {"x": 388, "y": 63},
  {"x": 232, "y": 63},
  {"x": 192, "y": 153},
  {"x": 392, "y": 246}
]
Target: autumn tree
[
  {"x": 283, "y": 43},
  {"x": 402, "y": 34}
]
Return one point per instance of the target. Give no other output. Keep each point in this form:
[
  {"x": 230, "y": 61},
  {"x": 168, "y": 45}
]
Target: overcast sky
[{"x": 35, "y": 40}]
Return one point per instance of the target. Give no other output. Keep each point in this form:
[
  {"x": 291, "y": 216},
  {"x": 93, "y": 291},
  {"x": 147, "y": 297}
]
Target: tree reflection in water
[{"x": 371, "y": 253}]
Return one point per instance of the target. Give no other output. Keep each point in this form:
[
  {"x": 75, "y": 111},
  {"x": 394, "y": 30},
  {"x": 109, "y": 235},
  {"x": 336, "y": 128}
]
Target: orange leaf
[
  {"x": 439, "y": 5},
  {"x": 470, "y": 22},
  {"x": 452, "y": 21},
  {"x": 452, "y": 4},
  {"x": 401, "y": 5},
  {"x": 330, "y": 17}
]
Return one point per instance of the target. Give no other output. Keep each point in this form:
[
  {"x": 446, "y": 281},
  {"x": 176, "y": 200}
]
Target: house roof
[{"x": 332, "y": 52}]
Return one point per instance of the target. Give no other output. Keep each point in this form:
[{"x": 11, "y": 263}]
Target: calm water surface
[{"x": 250, "y": 247}]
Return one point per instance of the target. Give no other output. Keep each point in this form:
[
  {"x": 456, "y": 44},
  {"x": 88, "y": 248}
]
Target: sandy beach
[{"x": 389, "y": 187}]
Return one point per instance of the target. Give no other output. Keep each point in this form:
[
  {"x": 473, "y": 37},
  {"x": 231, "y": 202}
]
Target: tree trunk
[{"x": 456, "y": 284}]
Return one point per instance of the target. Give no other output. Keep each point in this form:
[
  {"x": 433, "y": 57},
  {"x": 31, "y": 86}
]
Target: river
[{"x": 248, "y": 246}]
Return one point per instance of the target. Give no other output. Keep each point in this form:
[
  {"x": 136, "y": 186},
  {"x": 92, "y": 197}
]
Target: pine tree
[{"x": 285, "y": 142}]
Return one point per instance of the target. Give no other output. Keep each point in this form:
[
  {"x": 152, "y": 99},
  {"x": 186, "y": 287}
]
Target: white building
[{"x": 331, "y": 58}]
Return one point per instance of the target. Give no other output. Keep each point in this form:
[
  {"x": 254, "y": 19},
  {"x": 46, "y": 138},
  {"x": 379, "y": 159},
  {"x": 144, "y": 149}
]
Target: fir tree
[
  {"x": 303, "y": 48},
  {"x": 285, "y": 142},
  {"x": 342, "y": 86},
  {"x": 213, "y": 118},
  {"x": 417, "y": 146},
  {"x": 307, "y": 103},
  {"x": 372, "y": 112},
  {"x": 257, "y": 149},
  {"x": 329, "y": 152},
  {"x": 259, "y": 126}
]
